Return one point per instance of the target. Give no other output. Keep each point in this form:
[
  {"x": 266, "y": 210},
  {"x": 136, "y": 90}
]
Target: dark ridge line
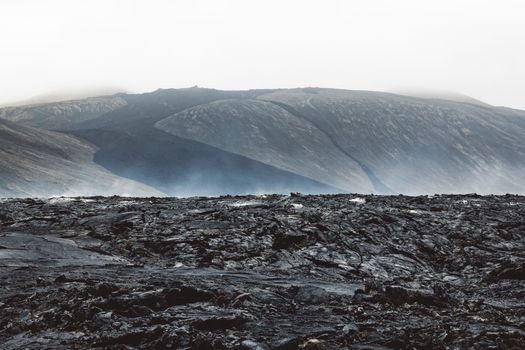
[{"x": 379, "y": 186}]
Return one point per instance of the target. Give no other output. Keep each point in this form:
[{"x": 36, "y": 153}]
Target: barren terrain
[{"x": 263, "y": 272}]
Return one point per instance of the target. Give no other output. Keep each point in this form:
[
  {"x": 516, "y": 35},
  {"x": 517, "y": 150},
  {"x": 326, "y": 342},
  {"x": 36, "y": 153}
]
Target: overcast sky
[{"x": 475, "y": 47}]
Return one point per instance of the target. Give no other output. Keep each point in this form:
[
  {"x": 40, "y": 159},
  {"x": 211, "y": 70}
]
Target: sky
[{"x": 474, "y": 47}]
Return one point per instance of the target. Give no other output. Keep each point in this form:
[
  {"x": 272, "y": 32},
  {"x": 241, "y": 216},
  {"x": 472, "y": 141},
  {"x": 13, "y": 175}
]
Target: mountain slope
[
  {"x": 419, "y": 146},
  {"x": 43, "y": 163},
  {"x": 62, "y": 115},
  {"x": 268, "y": 133},
  {"x": 129, "y": 146},
  {"x": 117, "y": 111},
  {"x": 206, "y": 141},
  {"x": 182, "y": 167}
]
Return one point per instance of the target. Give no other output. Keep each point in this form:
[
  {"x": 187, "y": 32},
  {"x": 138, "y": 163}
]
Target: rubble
[{"x": 263, "y": 272}]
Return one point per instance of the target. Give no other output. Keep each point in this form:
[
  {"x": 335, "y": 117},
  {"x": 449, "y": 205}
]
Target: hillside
[
  {"x": 62, "y": 115},
  {"x": 268, "y": 133},
  {"x": 42, "y": 163},
  {"x": 209, "y": 142},
  {"x": 416, "y": 146}
]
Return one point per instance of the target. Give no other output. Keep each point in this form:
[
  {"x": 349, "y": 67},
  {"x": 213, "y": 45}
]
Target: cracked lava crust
[{"x": 263, "y": 272}]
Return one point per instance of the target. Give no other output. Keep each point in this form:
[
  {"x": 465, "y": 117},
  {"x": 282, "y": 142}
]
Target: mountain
[
  {"x": 266, "y": 132},
  {"x": 63, "y": 95},
  {"x": 415, "y": 146},
  {"x": 207, "y": 142},
  {"x": 442, "y": 95},
  {"x": 130, "y": 146},
  {"x": 62, "y": 115},
  {"x": 42, "y": 163}
]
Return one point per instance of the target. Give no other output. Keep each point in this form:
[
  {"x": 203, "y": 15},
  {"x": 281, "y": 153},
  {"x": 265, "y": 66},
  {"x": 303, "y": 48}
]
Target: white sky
[{"x": 476, "y": 47}]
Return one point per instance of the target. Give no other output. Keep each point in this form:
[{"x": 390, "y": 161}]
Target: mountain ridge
[{"x": 41, "y": 163}]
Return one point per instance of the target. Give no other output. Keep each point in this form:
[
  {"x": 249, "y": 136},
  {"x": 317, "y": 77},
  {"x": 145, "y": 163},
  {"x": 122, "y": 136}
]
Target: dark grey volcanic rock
[
  {"x": 263, "y": 272},
  {"x": 36, "y": 162},
  {"x": 211, "y": 142},
  {"x": 25, "y": 249}
]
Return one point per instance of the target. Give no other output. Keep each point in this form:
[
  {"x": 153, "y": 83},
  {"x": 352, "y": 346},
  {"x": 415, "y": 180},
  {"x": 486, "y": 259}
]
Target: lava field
[{"x": 263, "y": 272}]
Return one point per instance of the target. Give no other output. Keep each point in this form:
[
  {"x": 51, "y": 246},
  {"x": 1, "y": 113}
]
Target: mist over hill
[{"x": 196, "y": 141}]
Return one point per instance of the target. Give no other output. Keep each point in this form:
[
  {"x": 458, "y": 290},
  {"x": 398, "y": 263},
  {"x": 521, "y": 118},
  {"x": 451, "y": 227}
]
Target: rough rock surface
[{"x": 263, "y": 272}]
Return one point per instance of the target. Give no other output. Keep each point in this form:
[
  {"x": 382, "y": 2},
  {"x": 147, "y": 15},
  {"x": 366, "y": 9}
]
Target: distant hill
[
  {"x": 204, "y": 141},
  {"x": 62, "y": 115},
  {"x": 442, "y": 95},
  {"x": 416, "y": 146},
  {"x": 65, "y": 95},
  {"x": 42, "y": 163},
  {"x": 266, "y": 132}
]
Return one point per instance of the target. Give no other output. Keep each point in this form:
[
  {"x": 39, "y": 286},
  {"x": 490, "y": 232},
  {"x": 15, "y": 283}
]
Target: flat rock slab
[{"x": 22, "y": 249}]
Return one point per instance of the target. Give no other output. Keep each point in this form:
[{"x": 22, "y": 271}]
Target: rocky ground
[{"x": 263, "y": 272}]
